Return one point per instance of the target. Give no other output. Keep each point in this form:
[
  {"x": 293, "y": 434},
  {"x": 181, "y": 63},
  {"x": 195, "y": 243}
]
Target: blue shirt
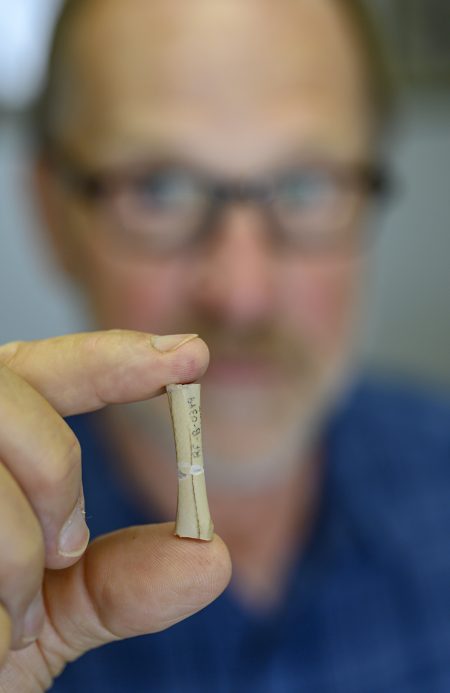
[{"x": 368, "y": 604}]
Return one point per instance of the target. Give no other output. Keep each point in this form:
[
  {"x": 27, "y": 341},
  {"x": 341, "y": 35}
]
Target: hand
[{"x": 57, "y": 598}]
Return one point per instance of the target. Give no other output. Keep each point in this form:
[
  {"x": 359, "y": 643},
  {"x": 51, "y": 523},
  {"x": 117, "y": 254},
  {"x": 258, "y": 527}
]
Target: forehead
[{"x": 212, "y": 77}]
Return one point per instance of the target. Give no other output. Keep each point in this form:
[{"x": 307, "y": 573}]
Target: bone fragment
[{"x": 193, "y": 517}]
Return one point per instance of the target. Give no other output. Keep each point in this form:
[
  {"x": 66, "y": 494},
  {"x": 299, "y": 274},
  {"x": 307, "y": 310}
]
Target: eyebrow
[{"x": 137, "y": 151}]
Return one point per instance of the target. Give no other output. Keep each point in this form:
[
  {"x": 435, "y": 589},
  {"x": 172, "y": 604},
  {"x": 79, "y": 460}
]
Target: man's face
[{"x": 239, "y": 91}]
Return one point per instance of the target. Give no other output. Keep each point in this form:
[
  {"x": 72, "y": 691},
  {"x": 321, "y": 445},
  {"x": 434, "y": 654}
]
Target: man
[{"x": 207, "y": 167}]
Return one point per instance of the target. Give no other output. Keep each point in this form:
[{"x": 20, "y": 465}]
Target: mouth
[{"x": 244, "y": 371}]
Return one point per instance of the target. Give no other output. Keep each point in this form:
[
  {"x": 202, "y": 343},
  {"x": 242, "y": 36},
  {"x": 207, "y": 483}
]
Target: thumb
[{"x": 134, "y": 581}]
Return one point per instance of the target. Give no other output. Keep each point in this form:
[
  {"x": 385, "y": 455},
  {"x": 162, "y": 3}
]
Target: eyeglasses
[{"x": 165, "y": 210}]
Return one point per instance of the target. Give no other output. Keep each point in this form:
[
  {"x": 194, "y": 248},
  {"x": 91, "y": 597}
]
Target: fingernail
[
  {"x": 33, "y": 620},
  {"x": 171, "y": 342},
  {"x": 74, "y": 536}
]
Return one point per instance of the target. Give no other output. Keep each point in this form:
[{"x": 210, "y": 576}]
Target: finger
[
  {"x": 43, "y": 455},
  {"x": 83, "y": 372},
  {"x": 22, "y": 560},
  {"x": 5, "y": 633},
  {"x": 135, "y": 581}
]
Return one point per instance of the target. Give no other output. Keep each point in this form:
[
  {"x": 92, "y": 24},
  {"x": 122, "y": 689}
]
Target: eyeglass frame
[{"x": 370, "y": 178}]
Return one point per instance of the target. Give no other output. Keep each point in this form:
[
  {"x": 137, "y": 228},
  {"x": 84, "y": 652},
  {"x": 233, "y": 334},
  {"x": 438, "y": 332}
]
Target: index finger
[{"x": 83, "y": 372}]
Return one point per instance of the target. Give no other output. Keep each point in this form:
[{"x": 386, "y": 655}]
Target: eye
[
  {"x": 166, "y": 191},
  {"x": 314, "y": 207},
  {"x": 306, "y": 188}
]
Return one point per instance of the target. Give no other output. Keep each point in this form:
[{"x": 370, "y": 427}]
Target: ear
[{"x": 54, "y": 206}]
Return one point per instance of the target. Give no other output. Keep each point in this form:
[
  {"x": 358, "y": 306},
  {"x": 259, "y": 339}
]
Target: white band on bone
[{"x": 185, "y": 469}]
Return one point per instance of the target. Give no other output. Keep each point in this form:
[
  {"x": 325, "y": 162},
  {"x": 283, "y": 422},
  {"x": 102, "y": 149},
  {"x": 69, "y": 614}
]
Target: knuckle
[
  {"x": 9, "y": 353},
  {"x": 61, "y": 468},
  {"x": 25, "y": 556},
  {"x": 98, "y": 348},
  {"x": 102, "y": 339},
  {"x": 31, "y": 554},
  {"x": 116, "y": 332}
]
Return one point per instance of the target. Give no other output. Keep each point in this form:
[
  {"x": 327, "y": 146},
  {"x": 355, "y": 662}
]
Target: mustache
[{"x": 262, "y": 342}]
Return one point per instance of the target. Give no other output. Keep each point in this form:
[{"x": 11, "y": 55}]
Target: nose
[{"x": 236, "y": 271}]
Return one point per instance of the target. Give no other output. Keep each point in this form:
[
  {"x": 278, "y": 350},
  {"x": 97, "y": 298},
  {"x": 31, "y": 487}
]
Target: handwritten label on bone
[{"x": 195, "y": 427}]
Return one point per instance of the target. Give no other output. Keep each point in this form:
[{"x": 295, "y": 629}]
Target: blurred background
[{"x": 408, "y": 316}]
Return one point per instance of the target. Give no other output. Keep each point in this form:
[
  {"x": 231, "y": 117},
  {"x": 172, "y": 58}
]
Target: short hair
[{"x": 362, "y": 22}]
